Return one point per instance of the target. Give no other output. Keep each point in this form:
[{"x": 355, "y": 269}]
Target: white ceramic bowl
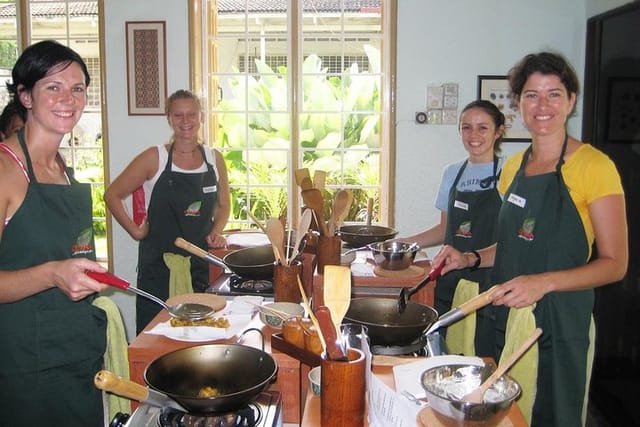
[
  {"x": 314, "y": 380},
  {"x": 290, "y": 308}
]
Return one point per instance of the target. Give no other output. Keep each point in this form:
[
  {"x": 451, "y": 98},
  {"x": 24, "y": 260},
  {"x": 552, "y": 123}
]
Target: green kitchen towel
[
  {"x": 116, "y": 357},
  {"x": 461, "y": 334},
  {"x": 520, "y": 325},
  {"x": 179, "y": 274}
]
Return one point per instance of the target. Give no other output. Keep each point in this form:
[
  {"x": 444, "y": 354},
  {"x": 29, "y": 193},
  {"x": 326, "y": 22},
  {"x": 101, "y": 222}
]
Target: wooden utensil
[
  {"x": 337, "y": 291},
  {"x": 369, "y": 218},
  {"x": 313, "y": 199},
  {"x": 256, "y": 221},
  {"x": 319, "y": 178},
  {"x": 312, "y": 316},
  {"x": 300, "y": 175},
  {"x": 275, "y": 233},
  {"x": 303, "y": 226},
  {"x": 477, "y": 395},
  {"x": 335, "y": 350},
  {"x": 339, "y": 211}
]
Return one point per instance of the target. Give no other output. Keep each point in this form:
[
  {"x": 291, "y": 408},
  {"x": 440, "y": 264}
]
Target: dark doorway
[{"x": 611, "y": 122}]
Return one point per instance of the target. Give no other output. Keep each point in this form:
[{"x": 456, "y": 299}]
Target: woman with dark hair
[
  {"x": 52, "y": 337},
  {"x": 11, "y": 119},
  {"x": 468, "y": 198},
  {"x": 560, "y": 197}
]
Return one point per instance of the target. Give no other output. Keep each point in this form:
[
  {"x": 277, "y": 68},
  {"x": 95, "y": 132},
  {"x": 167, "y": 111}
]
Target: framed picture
[
  {"x": 623, "y": 117},
  {"x": 496, "y": 90},
  {"x": 146, "y": 68}
]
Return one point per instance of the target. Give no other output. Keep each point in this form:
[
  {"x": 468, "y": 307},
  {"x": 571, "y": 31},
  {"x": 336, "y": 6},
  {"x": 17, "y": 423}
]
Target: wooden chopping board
[
  {"x": 216, "y": 302},
  {"x": 408, "y": 273}
]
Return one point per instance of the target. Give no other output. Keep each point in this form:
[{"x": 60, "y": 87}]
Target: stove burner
[
  {"x": 255, "y": 286},
  {"x": 416, "y": 348},
  {"x": 248, "y": 416}
]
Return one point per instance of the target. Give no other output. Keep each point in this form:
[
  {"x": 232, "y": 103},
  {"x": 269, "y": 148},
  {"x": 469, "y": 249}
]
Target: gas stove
[
  {"x": 233, "y": 285},
  {"x": 264, "y": 411}
]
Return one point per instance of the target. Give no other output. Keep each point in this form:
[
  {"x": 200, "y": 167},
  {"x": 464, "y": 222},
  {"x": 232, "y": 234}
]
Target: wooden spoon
[
  {"x": 275, "y": 233},
  {"x": 339, "y": 210},
  {"x": 313, "y": 199},
  {"x": 337, "y": 291},
  {"x": 477, "y": 395},
  {"x": 369, "y": 211}
]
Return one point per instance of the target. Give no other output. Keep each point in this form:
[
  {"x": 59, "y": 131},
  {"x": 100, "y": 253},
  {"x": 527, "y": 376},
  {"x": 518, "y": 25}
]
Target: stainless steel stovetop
[{"x": 264, "y": 411}]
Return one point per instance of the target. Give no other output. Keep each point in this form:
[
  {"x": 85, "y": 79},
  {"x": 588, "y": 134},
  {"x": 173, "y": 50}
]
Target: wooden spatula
[
  {"x": 477, "y": 395},
  {"x": 300, "y": 175},
  {"x": 337, "y": 292}
]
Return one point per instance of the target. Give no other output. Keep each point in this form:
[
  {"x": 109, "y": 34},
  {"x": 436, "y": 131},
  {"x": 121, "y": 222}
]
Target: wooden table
[
  {"x": 291, "y": 378},
  {"x": 311, "y": 415}
]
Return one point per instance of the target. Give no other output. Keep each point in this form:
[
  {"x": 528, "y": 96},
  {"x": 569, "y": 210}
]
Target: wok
[
  {"x": 388, "y": 327},
  {"x": 362, "y": 235},
  {"x": 251, "y": 263},
  {"x": 238, "y": 372}
]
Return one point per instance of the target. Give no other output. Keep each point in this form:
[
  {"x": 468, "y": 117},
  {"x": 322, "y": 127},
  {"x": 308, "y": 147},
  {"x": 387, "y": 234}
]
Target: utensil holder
[
  {"x": 343, "y": 385},
  {"x": 328, "y": 251},
  {"x": 285, "y": 282}
]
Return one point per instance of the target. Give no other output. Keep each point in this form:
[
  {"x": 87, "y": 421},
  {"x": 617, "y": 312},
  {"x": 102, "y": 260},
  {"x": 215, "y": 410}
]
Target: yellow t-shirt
[{"x": 588, "y": 173}]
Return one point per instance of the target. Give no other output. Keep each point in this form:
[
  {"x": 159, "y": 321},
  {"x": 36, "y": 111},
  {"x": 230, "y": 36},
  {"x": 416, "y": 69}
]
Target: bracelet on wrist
[{"x": 476, "y": 264}]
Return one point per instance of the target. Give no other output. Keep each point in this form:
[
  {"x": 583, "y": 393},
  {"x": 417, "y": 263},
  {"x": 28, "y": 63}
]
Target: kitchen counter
[
  {"x": 291, "y": 380},
  {"x": 311, "y": 415}
]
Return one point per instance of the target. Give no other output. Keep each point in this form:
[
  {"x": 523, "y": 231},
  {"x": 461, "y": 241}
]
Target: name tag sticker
[
  {"x": 461, "y": 205},
  {"x": 211, "y": 189},
  {"x": 517, "y": 200}
]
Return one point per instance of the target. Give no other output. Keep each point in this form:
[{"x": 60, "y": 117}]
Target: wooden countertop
[{"x": 311, "y": 414}]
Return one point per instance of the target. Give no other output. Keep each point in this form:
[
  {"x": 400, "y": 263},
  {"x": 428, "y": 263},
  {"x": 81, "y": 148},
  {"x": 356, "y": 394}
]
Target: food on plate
[
  {"x": 208, "y": 391},
  {"x": 214, "y": 322}
]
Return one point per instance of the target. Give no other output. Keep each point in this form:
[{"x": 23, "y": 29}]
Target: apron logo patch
[
  {"x": 464, "y": 230},
  {"x": 84, "y": 242},
  {"x": 526, "y": 232},
  {"x": 193, "y": 209}
]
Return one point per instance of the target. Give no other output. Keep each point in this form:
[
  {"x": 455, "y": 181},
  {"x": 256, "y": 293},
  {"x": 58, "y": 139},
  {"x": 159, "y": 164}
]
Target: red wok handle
[{"x": 109, "y": 279}]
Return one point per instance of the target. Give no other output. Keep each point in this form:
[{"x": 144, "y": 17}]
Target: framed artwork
[
  {"x": 496, "y": 90},
  {"x": 146, "y": 68},
  {"x": 623, "y": 110}
]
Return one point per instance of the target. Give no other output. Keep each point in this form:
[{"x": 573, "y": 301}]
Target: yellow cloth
[
  {"x": 116, "y": 357},
  {"x": 179, "y": 274},
  {"x": 520, "y": 325},
  {"x": 461, "y": 334}
]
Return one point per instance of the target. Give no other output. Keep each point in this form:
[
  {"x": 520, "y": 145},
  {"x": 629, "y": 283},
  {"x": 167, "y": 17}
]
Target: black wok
[
  {"x": 358, "y": 236},
  {"x": 388, "y": 327},
  {"x": 238, "y": 372},
  {"x": 251, "y": 263}
]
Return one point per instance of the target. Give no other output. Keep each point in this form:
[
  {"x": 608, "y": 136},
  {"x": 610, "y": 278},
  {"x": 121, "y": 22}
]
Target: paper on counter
[
  {"x": 388, "y": 407},
  {"x": 407, "y": 376}
]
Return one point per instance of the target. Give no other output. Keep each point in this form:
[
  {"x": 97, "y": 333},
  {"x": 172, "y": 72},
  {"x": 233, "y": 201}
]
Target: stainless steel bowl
[
  {"x": 394, "y": 255},
  {"x": 445, "y": 385}
]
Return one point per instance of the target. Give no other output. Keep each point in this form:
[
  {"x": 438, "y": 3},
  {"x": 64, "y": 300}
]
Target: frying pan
[
  {"x": 388, "y": 327},
  {"x": 250, "y": 263},
  {"x": 362, "y": 235},
  {"x": 238, "y": 372}
]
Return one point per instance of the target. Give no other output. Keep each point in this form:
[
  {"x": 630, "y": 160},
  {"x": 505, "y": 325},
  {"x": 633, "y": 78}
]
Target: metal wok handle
[
  {"x": 462, "y": 310},
  {"x": 241, "y": 337},
  {"x": 198, "y": 251}
]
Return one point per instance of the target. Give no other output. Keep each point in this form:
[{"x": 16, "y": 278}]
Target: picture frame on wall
[
  {"x": 146, "y": 67},
  {"x": 496, "y": 90}
]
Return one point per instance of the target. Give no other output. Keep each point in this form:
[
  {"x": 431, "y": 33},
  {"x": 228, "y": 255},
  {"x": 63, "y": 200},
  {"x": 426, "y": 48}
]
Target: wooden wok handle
[
  {"x": 108, "y": 381},
  {"x": 477, "y": 302},
  {"x": 191, "y": 248}
]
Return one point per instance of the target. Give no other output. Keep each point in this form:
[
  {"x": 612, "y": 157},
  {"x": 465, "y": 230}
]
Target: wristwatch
[{"x": 478, "y": 260}]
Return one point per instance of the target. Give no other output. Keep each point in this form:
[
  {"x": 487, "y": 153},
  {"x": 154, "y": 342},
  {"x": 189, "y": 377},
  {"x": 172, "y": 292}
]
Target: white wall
[
  {"x": 438, "y": 41},
  {"x": 129, "y": 135}
]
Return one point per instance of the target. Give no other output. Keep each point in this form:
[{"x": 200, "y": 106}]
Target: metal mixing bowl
[
  {"x": 393, "y": 255},
  {"x": 445, "y": 385}
]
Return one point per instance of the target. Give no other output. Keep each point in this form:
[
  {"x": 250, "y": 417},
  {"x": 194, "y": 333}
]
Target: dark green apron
[
  {"x": 471, "y": 224},
  {"x": 181, "y": 205},
  {"x": 540, "y": 230},
  {"x": 51, "y": 346}
]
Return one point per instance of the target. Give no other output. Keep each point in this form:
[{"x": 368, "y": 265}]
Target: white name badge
[
  {"x": 211, "y": 189},
  {"x": 517, "y": 200},
  {"x": 460, "y": 205}
]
